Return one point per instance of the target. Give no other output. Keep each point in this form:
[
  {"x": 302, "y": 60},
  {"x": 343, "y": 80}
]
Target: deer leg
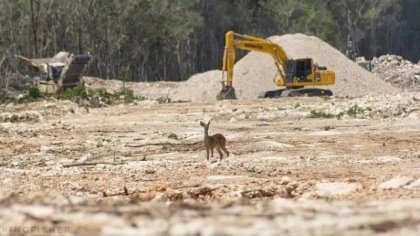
[
  {"x": 220, "y": 153},
  {"x": 207, "y": 152},
  {"x": 225, "y": 150},
  {"x": 211, "y": 152}
]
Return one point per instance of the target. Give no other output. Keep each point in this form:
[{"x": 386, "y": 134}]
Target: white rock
[
  {"x": 131, "y": 231},
  {"x": 15, "y": 163},
  {"x": 160, "y": 197},
  {"x": 285, "y": 180},
  {"x": 337, "y": 188},
  {"x": 396, "y": 182},
  {"x": 84, "y": 158},
  {"x": 274, "y": 145},
  {"x": 388, "y": 159},
  {"x": 44, "y": 149},
  {"x": 226, "y": 177},
  {"x": 36, "y": 211},
  {"x": 415, "y": 184},
  {"x": 76, "y": 200}
]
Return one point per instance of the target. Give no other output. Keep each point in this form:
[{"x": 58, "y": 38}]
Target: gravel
[{"x": 200, "y": 87}]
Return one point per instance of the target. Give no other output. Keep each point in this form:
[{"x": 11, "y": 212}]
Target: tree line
[{"x": 153, "y": 40}]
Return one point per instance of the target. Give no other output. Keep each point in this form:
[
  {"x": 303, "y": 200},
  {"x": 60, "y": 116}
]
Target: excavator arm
[{"x": 246, "y": 42}]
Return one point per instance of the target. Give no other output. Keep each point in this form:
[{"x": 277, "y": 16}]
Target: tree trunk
[
  {"x": 80, "y": 40},
  {"x": 34, "y": 29}
]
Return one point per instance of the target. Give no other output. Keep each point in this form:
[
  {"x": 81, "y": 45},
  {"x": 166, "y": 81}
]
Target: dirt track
[{"x": 152, "y": 176}]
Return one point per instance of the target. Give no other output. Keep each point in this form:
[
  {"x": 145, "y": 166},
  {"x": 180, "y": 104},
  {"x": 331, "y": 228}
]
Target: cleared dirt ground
[{"x": 141, "y": 169}]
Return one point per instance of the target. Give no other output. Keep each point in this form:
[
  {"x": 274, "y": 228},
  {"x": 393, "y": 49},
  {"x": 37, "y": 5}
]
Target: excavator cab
[
  {"x": 304, "y": 72},
  {"x": 300, "y": 70}
]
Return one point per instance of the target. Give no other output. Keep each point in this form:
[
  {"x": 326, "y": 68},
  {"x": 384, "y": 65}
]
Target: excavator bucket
[{"x": 227, "y": 93}]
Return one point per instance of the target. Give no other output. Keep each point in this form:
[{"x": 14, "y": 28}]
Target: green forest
[{"x": 154, "y": 40}]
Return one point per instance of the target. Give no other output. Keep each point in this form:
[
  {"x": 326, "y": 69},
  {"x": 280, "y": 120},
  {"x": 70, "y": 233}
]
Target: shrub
[
  {"x": 126, "y": 94},
  {"x": 33, "y": 91},
  {"x": 320, "y": 114},
  {"x": 354, "y": 111},
  {"x": 122, "y": 95},
  {"x": 72, "y": 93},
  {"x": 5, "y": 98}
]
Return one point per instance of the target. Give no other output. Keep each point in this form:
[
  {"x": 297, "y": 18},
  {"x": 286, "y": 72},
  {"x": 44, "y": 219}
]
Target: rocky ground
[
  {"x": 299, "y": 166},
  {"x": 399, "y": 72}
]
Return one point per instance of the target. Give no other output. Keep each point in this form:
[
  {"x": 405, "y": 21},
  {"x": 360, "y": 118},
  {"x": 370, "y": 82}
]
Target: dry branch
[
  {"x": 148, "y": 144},
  {"x": 93, "y": 164},
  {"x": 133, "y": 145}
]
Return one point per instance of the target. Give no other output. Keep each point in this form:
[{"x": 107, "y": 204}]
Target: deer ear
[
  {"x": 202, "y": 123},
  {"x": 209, "y": 122}
]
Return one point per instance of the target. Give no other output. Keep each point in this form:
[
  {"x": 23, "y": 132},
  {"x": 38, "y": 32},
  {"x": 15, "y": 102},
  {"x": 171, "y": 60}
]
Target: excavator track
[{"x": 301, "y": 92}]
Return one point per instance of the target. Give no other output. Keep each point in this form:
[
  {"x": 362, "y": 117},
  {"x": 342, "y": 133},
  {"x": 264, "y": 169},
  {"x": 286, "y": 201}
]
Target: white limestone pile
[{"x": 399, "y": 72}]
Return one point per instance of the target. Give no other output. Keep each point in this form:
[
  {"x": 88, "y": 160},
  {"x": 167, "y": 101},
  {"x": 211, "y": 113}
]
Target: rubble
[
  {"x": 26, "y": 116},
  {"x": 379, "y": 106},
  {"x": 399, "y": 72}
]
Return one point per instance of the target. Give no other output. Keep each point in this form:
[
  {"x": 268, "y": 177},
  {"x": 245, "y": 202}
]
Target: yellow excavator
[{"x": 293, "y": 74}]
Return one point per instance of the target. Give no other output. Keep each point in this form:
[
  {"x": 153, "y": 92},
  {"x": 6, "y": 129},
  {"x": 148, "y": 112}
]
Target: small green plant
[
  {"x": 122, "y": 95},
  {"x": 354, "y": 111},
  {"x": 173, "y": 136},
  {"x": 5, "y": 98},
  {"x": 33, "y": 91},
  {"x": 99, "y": 144},
  {"x": 72, "y": 93},
  {"x": 126, "y": 94},
  {"x": 320, "y": 114},
  {"x": 163, "y": 100},
  {"x": 297, "y": 105},
  {"x": 103, "y": 93},
  {"x": 326, "y": 98}
]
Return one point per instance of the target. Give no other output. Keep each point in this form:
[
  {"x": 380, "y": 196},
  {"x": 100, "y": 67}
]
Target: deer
[{"x": 217, "y": 141}]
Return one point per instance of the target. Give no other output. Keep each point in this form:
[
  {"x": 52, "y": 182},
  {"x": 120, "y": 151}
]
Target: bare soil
[{"x": 141, "y": 168}]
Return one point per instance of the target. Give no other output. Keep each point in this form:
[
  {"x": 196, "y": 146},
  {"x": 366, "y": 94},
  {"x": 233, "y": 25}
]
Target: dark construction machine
[{"x": 62, "y": 71}]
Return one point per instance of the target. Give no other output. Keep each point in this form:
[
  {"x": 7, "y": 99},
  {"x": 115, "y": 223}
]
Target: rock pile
[
  {"x": 200, "y": 87},
  {"x": 399, "y": 72},
  {"x": 351, "y": 79},
  {"x": 26, "y": 116}
]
